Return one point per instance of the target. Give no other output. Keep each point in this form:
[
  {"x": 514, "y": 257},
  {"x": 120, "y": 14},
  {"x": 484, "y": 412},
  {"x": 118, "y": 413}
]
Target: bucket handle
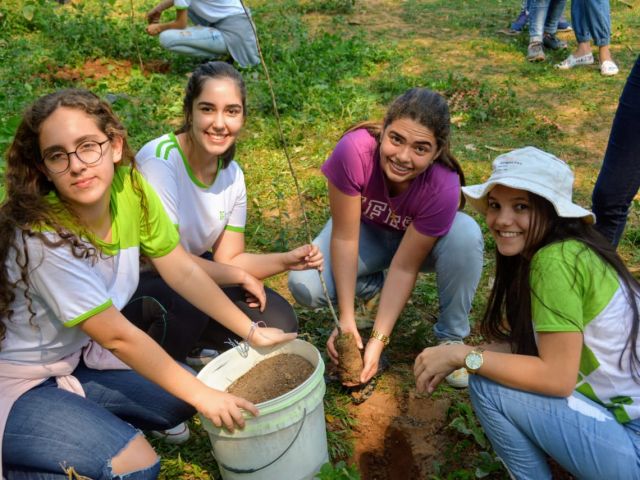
[{"x": 253, "y": 470}]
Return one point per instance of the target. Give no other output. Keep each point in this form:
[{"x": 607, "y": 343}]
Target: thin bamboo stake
[
  {"x": 290, "y": 163},
  {"x": 135, "y": 40}
]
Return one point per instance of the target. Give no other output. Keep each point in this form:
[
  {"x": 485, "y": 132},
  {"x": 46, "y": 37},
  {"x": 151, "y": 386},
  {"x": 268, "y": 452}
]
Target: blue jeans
[
  {"x": 202, "y": 40},
  {"x": 49, "y": 427},
  {"x": 543, "y": 17},
  {"x": 196, "y": 41},
  {"x": 581, "y": 435},
  {"x": 619, "y": 177},
  {"x": 456, "y": 259},
  {"x": 591, "y": 20}
]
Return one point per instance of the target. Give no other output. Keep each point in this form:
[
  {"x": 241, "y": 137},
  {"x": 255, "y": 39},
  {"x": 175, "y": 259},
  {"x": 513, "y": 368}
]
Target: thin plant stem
[
  {"x": 285, "y": 148},
  {"x": 135, "y": 39}
]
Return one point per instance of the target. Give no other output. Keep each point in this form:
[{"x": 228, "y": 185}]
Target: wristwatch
[{"x": 474, "y": 360}]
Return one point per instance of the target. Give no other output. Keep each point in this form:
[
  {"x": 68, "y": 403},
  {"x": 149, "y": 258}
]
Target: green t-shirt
[{"x": 574, "y": 290}]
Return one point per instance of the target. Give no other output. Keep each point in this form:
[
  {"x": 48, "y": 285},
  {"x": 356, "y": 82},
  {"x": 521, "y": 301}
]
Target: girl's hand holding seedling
[
  {"x": 345, "y": 351},
  {"x": 371, "y": 359},
  {"x": 304, "y": 258},
  {"x": 222, "y": 408},
  {"x": 331, "y": 346}
]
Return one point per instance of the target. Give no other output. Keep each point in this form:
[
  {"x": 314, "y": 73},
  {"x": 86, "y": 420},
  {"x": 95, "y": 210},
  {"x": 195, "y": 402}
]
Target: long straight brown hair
[
  {"x": 507, "y": 317},
  {"x": 429, "y": 109}
]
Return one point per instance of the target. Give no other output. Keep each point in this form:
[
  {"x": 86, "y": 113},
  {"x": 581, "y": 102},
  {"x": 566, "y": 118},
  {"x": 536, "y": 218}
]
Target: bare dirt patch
[
  {"x": 399, "y": 436},
  {"x": 100, "y": 68}
]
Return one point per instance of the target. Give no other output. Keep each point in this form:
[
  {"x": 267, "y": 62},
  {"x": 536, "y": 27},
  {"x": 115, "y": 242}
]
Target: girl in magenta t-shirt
[{"x": 394, "y": 192}]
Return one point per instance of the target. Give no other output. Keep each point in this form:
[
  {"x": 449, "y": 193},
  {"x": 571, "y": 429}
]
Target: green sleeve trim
[
  {"x": 181, "y": 8},
  {"x": 165, "y": 251},
  {"x": 557, "y": 328},
  {"x": 90, "y": 313},
  {"x": 234, "y": 229}
]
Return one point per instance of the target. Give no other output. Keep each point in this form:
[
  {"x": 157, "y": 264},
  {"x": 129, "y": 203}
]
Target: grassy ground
[{"x": 334, "y": 63}]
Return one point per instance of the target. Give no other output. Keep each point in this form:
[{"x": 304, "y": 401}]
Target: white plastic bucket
[{"x": 288, "y": 440}]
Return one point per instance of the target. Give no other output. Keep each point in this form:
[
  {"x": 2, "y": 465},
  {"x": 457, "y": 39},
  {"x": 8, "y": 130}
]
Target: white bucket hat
[{"x": 535, "y": 171}]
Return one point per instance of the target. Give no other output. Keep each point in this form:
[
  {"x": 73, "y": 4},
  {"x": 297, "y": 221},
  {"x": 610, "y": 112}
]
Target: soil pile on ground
[{"x": 272, "y": 377}]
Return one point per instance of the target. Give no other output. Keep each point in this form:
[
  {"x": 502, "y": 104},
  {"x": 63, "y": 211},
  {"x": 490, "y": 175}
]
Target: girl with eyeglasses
[{"x": 77, "y": 378}]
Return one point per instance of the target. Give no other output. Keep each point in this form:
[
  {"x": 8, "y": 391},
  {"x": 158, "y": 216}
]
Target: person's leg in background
[
  {"x": 537, "y": 18},
  {"x": 519, "y": 24},
  {"x": 550, "y": 40},
  {"x": 598, "y": 17},
  {"x": 197, "y": 41},
  {"x": 619, "y": 177}
]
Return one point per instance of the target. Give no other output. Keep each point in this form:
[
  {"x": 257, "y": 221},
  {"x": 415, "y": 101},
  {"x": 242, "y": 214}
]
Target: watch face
[{"x": 473, "y": 361}]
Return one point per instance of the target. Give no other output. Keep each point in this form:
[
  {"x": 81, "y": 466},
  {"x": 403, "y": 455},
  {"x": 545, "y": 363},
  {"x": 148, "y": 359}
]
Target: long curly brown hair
[{"x": 25, "y": 212}]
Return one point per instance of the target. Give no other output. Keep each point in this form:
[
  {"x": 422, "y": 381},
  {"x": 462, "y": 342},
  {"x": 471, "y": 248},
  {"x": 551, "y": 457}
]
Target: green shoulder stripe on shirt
[
  {"x": 167, "y": 145},
  {"x": 90, "y": 313},
  {"x": 234, "y": 229}
]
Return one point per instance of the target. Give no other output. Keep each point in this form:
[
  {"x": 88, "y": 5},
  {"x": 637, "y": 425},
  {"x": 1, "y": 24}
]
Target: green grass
[{"x": 334, "y": 63}]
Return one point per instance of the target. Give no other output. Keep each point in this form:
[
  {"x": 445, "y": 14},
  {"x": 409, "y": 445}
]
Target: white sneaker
[
  {"x": 458, "y": 378},
  {"x": 200, "y": 357},
  {"x": 176, "y": 435},
  {"x": 608, "y": 68}
]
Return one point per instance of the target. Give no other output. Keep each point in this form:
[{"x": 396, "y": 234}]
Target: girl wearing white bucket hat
[{"x": 563, "y": 307}]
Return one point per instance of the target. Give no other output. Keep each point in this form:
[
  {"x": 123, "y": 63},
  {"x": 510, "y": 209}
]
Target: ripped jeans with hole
[
  {"x": 50, "y": 430},
  {"x": 580, "y": 434}
]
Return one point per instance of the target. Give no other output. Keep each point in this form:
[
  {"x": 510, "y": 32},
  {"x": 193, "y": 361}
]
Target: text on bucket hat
[{"x": 535, "y": 171}]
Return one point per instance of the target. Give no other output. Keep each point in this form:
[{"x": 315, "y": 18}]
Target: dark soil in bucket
[
  {"x": 350, "y": 359},
  {"x": 272, "y": 377}
]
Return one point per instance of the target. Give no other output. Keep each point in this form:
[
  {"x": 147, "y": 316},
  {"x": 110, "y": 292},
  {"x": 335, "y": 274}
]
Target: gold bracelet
[{"x": 380, "y": 336}]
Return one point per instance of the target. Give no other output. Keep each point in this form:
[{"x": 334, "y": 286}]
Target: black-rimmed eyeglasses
[{"x": 89, "y": 153}]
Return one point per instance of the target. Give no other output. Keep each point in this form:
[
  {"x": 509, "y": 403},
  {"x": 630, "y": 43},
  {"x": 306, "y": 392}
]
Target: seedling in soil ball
[{"x": 350, "y": 360}]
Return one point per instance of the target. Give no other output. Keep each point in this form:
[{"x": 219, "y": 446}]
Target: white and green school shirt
[
  {"x": 211, "y": 10},
  {"x": 66, "y": 290},
  {"x": 573, "y": 290},
  {"x": 201, "y": 212}
]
